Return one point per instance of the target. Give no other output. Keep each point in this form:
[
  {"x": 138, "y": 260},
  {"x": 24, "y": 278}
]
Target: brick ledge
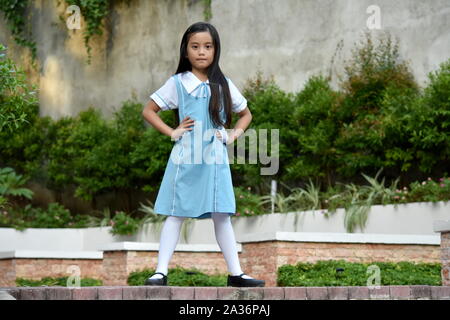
[
  {"x": 331, "y": 237},
  {"x": 50, "y": 254},
  {"x": 416, "y": 292}
]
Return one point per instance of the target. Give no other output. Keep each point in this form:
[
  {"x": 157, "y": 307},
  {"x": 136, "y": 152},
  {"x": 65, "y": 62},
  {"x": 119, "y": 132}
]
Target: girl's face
[{"x": 200, "y": 50}]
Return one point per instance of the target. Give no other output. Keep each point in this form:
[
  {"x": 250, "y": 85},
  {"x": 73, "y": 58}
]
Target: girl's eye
[{"x": 208, "y": 46}]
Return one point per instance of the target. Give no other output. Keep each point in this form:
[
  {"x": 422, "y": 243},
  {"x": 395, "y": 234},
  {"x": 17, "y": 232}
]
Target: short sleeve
[
  {"x": 239, "y": 103},
  {"x": 166, "y": 97}
]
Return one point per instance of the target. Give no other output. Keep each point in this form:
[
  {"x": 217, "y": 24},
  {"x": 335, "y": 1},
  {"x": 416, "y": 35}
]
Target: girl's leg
[
  {"x": 227, "y": 243},
  {"x": 170, "y": 234}
]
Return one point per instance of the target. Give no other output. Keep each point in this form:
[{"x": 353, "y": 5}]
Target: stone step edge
[{"x": 412, "y": 292}]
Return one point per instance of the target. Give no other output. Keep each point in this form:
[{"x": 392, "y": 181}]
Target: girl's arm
[
  {"x": 245, "y": 117},
  {"x": 149, "y": 114}
]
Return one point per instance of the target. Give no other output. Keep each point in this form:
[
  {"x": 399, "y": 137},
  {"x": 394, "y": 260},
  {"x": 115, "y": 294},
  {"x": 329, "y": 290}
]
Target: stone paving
[{"x": 418, "y": 292}]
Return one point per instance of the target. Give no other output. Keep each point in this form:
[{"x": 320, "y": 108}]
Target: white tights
[{"x": 223, "y": 229}]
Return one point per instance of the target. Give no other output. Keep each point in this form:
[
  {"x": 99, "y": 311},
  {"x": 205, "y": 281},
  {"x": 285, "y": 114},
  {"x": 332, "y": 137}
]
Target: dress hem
[{"x": 202, "y": 216}]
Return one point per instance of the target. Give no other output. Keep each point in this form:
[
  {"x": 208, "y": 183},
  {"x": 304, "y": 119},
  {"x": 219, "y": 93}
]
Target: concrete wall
[
  {"x": 290, "y": 39},
  {"x": 413, "y": 221}
]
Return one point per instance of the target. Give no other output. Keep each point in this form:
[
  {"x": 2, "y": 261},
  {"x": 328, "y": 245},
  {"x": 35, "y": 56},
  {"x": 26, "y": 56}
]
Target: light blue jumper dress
[{"x": 197, "y": 179}]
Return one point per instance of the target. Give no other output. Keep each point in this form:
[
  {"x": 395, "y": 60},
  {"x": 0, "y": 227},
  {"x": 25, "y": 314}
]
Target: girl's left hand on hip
[{"x": 223, "y": 136}]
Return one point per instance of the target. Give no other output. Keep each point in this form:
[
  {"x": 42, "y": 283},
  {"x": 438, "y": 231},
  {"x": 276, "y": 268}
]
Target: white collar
[{"x": 190, "y": 81}]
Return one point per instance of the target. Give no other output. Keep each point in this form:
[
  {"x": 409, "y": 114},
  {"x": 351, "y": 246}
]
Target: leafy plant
[
  {"x": 427, "y": 190},
  {"x": 281, "y": 202},
  {"x": 307, "y": 198},
  {"x": 10, "y": 184},
  {"x": 362, "y": 198},
  {"x": 124, "y": 224},
  {"x": 247, "y": 202},
  {"x": 15, "y": 96},
  {"x": 151, "y": 218}
]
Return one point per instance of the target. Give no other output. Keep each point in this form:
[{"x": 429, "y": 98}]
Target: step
[{"x": 413, "y": 292}]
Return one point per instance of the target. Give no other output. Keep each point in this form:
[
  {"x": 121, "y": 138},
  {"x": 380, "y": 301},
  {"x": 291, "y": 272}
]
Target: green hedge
[
  {"x": 180, "y": 277},
  {"x": 61, "y": 281},
  {"x": 324, "y": 273}
]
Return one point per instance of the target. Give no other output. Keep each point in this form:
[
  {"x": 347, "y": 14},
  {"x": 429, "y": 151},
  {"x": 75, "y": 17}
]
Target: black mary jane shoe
[
  {"x": 156, "y": 282},
  {"x": 238, "y": 281}
]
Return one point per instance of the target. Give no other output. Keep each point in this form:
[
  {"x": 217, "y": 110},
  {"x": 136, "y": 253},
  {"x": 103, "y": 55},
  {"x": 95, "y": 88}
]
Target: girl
[{"x": 204, "y": 98}]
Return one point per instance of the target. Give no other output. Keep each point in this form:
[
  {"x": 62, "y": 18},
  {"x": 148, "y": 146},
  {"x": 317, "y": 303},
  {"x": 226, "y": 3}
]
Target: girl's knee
[
  {"x": 220, "y": 217},
  {"x": 175, "y": 219}
]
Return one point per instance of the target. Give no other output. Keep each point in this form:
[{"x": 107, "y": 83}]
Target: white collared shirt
[{"x": 166, "y": 97}]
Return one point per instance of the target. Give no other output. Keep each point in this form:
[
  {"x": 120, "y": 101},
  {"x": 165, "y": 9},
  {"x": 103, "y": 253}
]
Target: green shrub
[
  {"x": 107, "y": 166},
  {"x": 150, "y": 155},
  {"x": 26, "y": 150},
  {"x": 15, "y": 96},
  {"x": 428, "y": 190},
  {"x": 72, "y": 152},
  {"x": 180, "y": 277},
  {"x": 271, "y": 108},
  {"x": 371, "y": 69},
  {"x": 124, "y": 224},
  {"x": 430, "y": 123},
  {"x": 394, "y": 130},
  {"x": 378, "y": 86},
  {"x": 99, "y": 156},
  {"x": 316, "y": 128},
  {"x": 324, "y": 273},
  {"x": 247, "y": 203}
]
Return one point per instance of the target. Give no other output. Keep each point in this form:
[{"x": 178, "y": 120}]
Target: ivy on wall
[
  {"x": 93, "y": 11},
  {"x": 207, "y": 12},
  {"x": 15, "y": 15}
]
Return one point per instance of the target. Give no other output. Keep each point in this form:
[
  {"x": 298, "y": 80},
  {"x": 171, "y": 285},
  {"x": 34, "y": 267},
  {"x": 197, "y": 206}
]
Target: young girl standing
[{"x": 197, "y": 180}]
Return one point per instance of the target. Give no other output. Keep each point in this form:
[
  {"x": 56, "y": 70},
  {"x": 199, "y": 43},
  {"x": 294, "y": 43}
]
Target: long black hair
[{"x": 215, "y": 76}]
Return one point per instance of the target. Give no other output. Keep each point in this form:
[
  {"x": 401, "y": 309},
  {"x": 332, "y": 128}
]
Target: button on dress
[{"x": 197, "y": 178}]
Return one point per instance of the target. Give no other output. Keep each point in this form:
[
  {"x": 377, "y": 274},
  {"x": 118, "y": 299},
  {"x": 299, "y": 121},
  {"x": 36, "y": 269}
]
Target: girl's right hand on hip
[{"x": 184, "y": 126}]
